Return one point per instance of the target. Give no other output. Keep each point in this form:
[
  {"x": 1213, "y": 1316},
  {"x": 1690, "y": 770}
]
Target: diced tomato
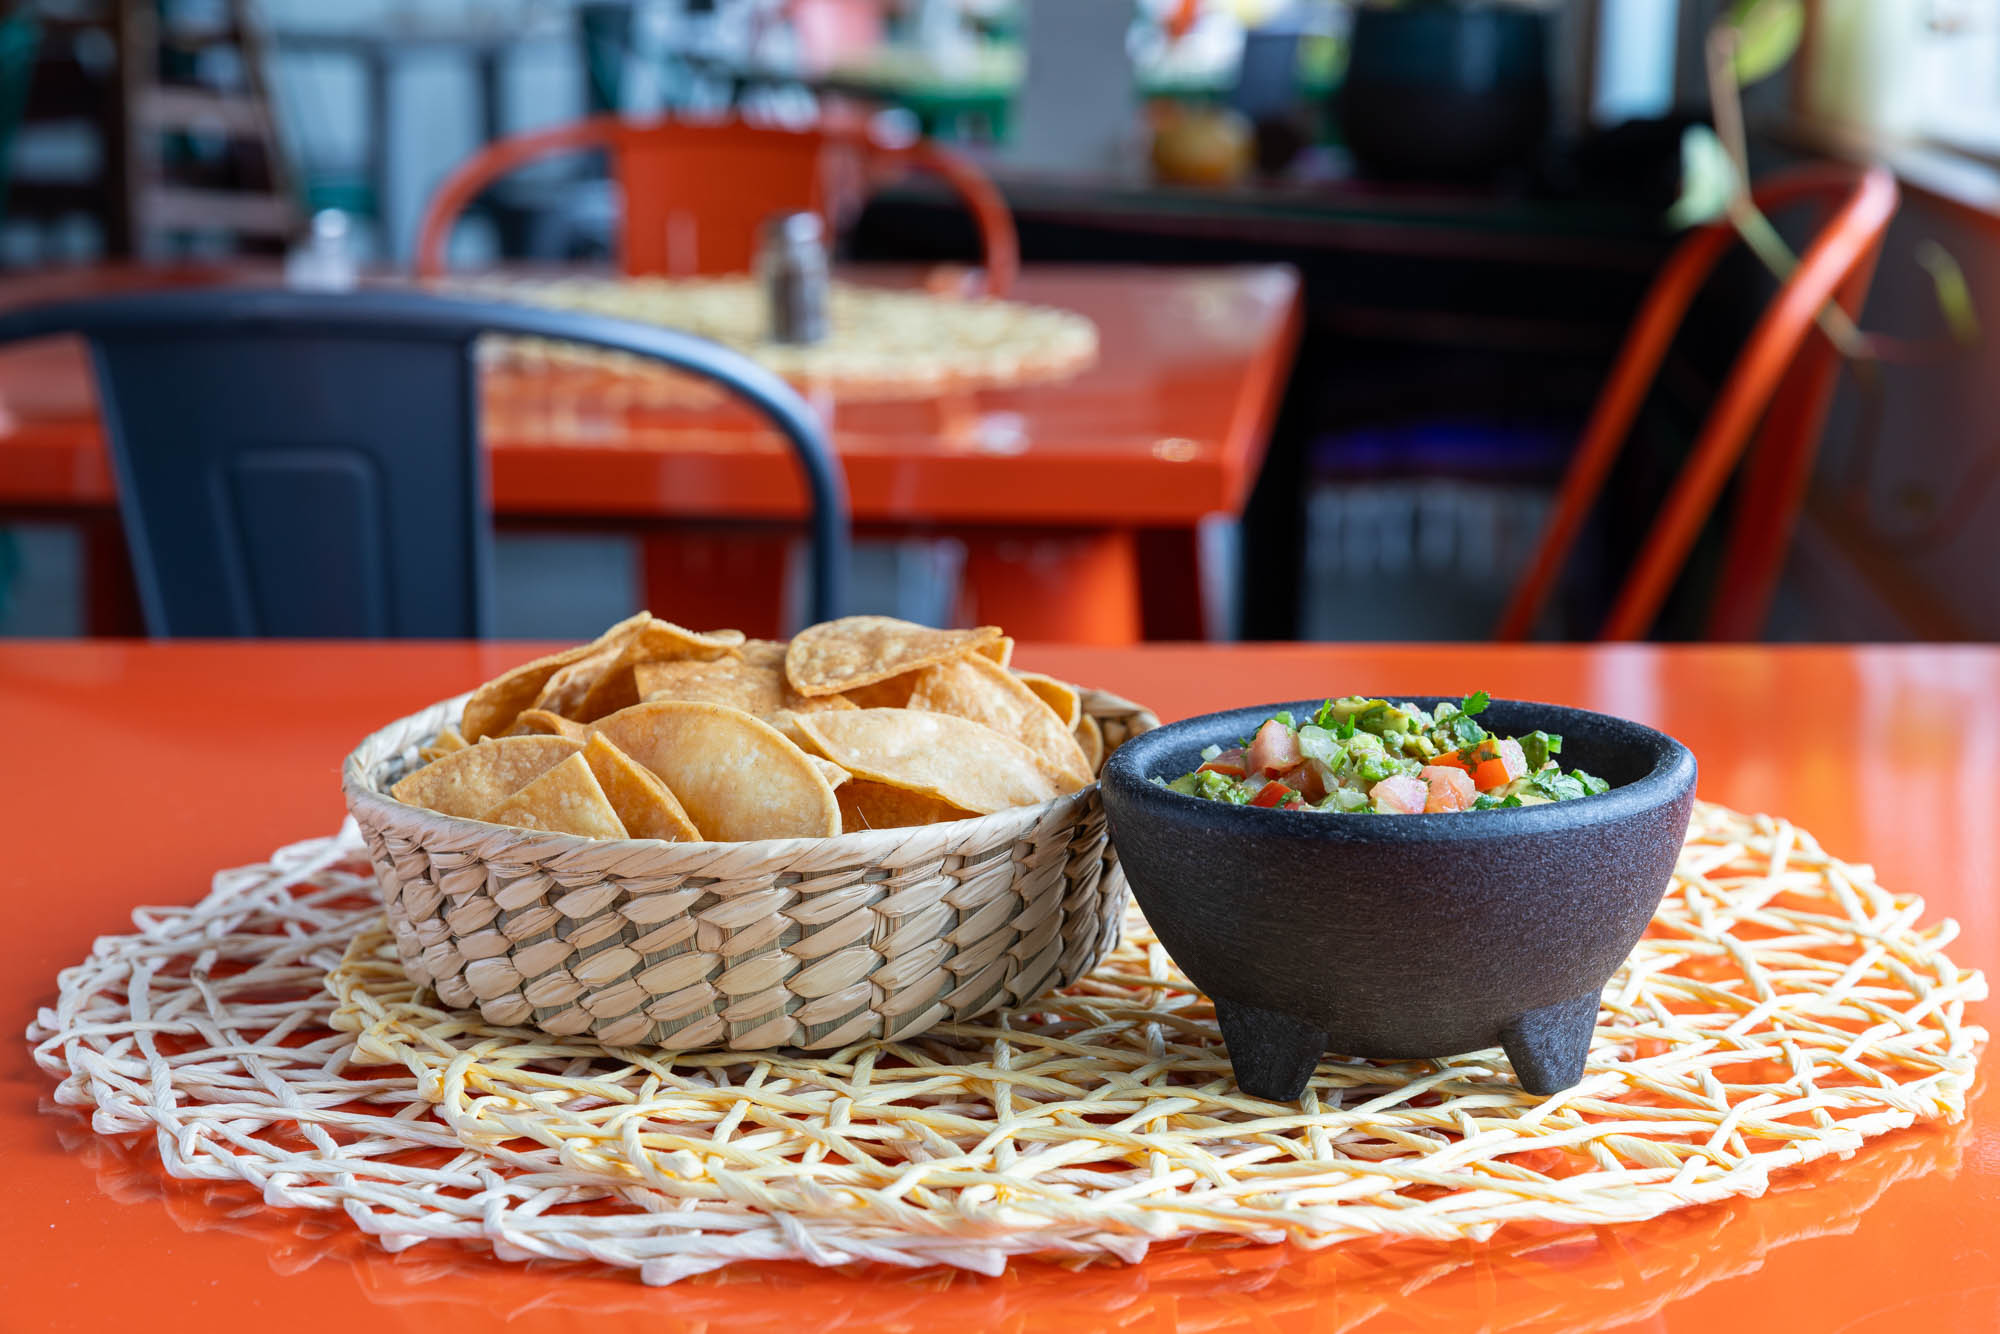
[
  {"x": 1271, "y": 794},
  {"x": 1399, "y": 794},
  {"x": 1305, "y": 778},
  {"x": 1450, "y": 789},
  {"x": 1225, "y": 766},
  {"x": 1452, "y": 759},
  {"x": 1507, "y": 763},
  {"x": 1274, "y": 749}
]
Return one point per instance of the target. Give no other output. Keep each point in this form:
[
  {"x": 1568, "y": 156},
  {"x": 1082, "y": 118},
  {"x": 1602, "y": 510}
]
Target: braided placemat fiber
[{"x": 1783, "y": 1007}]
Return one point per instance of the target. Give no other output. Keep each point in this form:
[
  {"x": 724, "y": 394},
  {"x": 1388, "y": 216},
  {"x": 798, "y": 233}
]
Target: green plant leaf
[
  {"x": 1768, "y": 33},
  {"x": 1708, "y": 179},
  {"x": 1954, "y": 294}
]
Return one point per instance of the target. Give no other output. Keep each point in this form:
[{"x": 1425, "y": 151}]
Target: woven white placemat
[{"x": 1783, "y": 1008}]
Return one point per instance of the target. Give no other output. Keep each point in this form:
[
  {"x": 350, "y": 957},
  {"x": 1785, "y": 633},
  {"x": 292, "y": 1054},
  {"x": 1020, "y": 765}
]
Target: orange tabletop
[
  {"x": 135, "y": 771},
  {"x": 1166, "y": 428}
]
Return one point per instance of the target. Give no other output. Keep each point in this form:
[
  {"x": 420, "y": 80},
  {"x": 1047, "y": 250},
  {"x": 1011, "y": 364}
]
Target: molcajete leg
[
  {"x": 1548, "y": 1046},
  {"x": 1273, "y": 1054}
]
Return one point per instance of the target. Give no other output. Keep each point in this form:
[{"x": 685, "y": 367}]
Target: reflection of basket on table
[{"x": 884, "y": 343}]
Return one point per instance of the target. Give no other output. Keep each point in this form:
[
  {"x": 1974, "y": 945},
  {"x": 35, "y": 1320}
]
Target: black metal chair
[{"x": 308, "y": 463}]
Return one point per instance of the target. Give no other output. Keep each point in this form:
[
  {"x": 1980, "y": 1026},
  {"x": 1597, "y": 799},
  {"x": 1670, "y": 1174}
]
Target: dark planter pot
[
  {"x": 1445, "y": 92},
  {"x": 1402, "y": 936}
]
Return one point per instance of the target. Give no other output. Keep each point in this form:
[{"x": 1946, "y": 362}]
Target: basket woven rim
[{"x": 362, "y": 785}]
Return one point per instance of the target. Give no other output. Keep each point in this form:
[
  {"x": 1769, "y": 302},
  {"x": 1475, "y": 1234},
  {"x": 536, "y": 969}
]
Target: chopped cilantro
[{"x": 1476, "y": 702}]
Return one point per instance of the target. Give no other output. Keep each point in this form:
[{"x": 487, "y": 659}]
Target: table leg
[
  {"x": 1270, "y": 572},
  {"x": 708, "y": 578},
  {"x": 1054, "y": 587},
  {"x": 1172, "y": 597},
  {"x": 110, "y": 597}
]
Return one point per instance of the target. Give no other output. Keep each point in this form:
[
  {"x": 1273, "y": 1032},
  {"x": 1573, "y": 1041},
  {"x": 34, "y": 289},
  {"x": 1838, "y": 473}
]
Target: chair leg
[
  {"x": 111, "y": 597},
  {"x": 708, "y": 579},
  {"x": 1170, "y": 581},
  {"x": 1054, "y": 587}
]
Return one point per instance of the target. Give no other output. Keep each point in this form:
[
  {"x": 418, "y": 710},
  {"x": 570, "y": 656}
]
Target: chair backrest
[
  {"x": 1782, "y": 380},
  {"x": 695, "y": 193},
  {"x": 309, "y": 464}
]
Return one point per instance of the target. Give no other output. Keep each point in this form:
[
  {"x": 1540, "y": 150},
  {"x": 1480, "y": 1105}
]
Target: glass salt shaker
[{"x": 793, "y": 266}]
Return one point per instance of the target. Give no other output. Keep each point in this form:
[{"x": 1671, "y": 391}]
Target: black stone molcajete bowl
[{"x": 1404, "y": 935}]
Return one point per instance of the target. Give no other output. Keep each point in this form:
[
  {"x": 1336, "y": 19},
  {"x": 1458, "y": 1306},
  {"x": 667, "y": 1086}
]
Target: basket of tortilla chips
[{"x": 681, "y": 839}]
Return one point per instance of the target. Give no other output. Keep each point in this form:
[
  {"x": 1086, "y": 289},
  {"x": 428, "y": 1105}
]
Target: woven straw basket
[{"x": 811, "y": 943}]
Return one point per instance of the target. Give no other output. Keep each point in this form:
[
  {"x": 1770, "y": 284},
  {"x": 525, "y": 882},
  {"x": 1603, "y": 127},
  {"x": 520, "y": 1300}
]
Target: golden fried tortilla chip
[
  {"x": 602, "y": 683},
  {"x": 443, "y": 744},
  {"x": 1091, "y": 738},
  {"x": 893, "y": 693},
  {"x": 870, "y": 805},
  {"x": 565, "y": 800},
  {"x": 645, "y": 806},
  {"x": 956, "y": 760},
  {"x": 834, "y": 775},
  {"x": 495, "y": 705},
  {"x": 1000, "y": 650},
  {"x": 763, "y": 652},
  {"x": 471, "y": 781},
  {"x": 977, "y": 688},
  {"x": 760, "y": 691},
  {"x": 737, "y": 777},
  {"x": 540, "y": 722},
  {"x": 1058, "y": 695},
  {"x": 831, "y": 657},
  {"x": 564, "y": 692}
]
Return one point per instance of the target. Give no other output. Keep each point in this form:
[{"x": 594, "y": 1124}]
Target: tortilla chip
[
  {"x": 565, "y": 691},
  {"x": 565, "y": 800},
  {"x": 443, "y": 744},
  {"x": 760, "y": 691},
  {"x": 1000, "y": 650},
  {"x": 645, "y": 805},
  {"x": 831, "y": 657},
  {"x": 953, "y": 759},
  {"x": 871, "y": 805},
  {"x": 893, "y": 693},
  {"x": 1058, "y": 695},
  {"x": 540, "y": 722},
  {"x": 657, "y": 641},
  {"x": 469, "y": 782},
  {"x": 978, "y": 688},
  {"x": 1091, "y": 738},
  {"x": 737, "y": 777},
  {"x": 495, "y": 705},
  {"x": 835, "y": 776},
  {"x": 763, "y": 652}
]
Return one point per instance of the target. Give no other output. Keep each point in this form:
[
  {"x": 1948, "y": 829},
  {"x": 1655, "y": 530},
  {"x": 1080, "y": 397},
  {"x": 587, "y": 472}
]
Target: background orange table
[
  {"x": 1062, "y": 492},
  {"x": 135, "y": 771}
]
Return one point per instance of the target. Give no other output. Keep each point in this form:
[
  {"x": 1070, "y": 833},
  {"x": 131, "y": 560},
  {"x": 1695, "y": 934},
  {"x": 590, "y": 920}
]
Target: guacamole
[{"x": 1357, "y": 754}]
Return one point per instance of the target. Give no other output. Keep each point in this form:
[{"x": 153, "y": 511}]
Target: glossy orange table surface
[
  {"x": 1166, "y": 427},
  {"x": 135, "y": 771}
]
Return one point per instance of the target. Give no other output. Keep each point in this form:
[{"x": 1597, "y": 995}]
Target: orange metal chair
[
  {"x": 695, "y": 193},
  {"x": 1783, "y": 380}
]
